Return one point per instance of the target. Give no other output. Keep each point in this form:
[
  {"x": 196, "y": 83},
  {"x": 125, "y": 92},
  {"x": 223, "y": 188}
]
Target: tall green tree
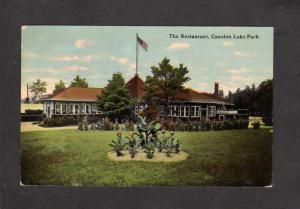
[
  {"x": 60, "y": 85},
  {"x": 79, "y": 82},
  {"x": 165, "y": 82},
  {"x": 37, "y": 88},
  {"x": 115, "y": 97}
]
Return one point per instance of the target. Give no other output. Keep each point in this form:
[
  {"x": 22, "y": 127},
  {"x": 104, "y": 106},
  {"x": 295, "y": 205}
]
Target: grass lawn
[{"x": 72, "y": 157}]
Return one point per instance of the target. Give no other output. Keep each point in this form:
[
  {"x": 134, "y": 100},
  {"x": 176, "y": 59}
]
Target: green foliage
[
  {"x": 256, "y": 125},
  {"x": 93, "y": 126},
  {"x": 161, "y": 142},
  {"x": 79, "y": 82},
  {"x": 37, "y": 88},
  {"x": 59, "y": 86},
  {"x": 105, "y": 124},
  {"x": 150, "y": 150},
  {"x": 133, "y": 144},
  {"x": 129, "y": 125},
  {"x": 115, "y": 97},
  {"x": 177, "y": 146},
  {"x": 166, "y": 81},
  {"x": 80, "y": 126},
  {"x": 118, "y": 145},
  {"x": 206, "y": 125},
  {"x": 256, "y": 99},
  {"x": 59, "y": 121}
]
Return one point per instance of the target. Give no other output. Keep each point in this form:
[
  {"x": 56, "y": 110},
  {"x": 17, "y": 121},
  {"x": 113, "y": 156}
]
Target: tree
[
  {"x": 221, "y": 93},
  {"x": 115, "y": 97},
  {"x": 265, "y": 97},
  {"x": 37, "y": 88},
  {"x": 165, "y": 82},
  {"x": 59, "y": 86},
  {"x": 79, "y": 82}
]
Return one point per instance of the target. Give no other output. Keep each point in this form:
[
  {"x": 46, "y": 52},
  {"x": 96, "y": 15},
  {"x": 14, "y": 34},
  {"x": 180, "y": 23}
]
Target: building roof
[
  {"x": 192, "y": 95},
  {"x": 76, "y": 94},
  {"x": 136, "y": 87}
]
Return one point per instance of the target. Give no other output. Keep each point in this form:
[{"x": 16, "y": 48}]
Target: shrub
[
  {"x": 59, "y": 121},
  {"x": 129, "y": 126},
  {"x": 80, "y": 126},
  {"x": 161, "y": 142},
  {"x": 256, "y": 125},
  {"x": 118, "y": 145},
  {"x": 93, "y": 126},
  {"x": 49, "y": 122},
  {"x": 177, "y": 146},
  {"x": 150, "y": 149},
  {"x": 268, "y": 120}
]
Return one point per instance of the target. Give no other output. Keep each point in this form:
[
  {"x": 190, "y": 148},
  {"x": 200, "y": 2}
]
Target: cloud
[
  {"x": 132, "y": 66},
  {"x": 68, "y": 58},
  {"x": 245, "y": 54},
  {"x": 123, "y": 61},
  {"x": 203, "y": 84},
  {"x": 75, "y": 68},
  {"x": 179, "y": 46},
  {"x": 24, "y": 27},
  {"x": 228, "y": 43},
  {"x": 238, "y": 78},
  {"x": 120, "y": 60},
  {"x": 239, "y": 70},
  {"x": 29, "y": 55},
  {"x": 82, "y": 43}
]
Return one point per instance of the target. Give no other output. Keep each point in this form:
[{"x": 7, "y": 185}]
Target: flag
[{"x": 142, "y": 43}]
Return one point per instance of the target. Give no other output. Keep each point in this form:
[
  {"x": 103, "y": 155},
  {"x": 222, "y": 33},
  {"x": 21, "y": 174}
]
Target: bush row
[{"x": 205, "y": 125}]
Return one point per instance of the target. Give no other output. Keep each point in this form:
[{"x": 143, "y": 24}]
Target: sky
[{"x": 53, "y": 53}]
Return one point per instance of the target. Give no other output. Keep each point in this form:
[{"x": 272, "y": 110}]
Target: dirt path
[{"x": 28, "y": 126}]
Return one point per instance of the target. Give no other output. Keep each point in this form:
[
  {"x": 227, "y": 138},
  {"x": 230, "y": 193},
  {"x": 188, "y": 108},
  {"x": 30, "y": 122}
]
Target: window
[
  {"x": 88, "y": 109},
  {"x": 57, "y": 109},
  {"x": 94, "y": 108},
  {"x": 211, "y": 111},
  {"x": 71, "y": 111},
  {"x": 64, "y": 108},
  {"x": 82, "y": 107},
  {"x": 184, "y": 111},
  {"x": 181, "y": 111},
  {"x": 195, "y": 111},
  {"x": 187, "y": 111},
  {"x": 76, "y": 108},
  {"x": 174, "y": 111}
]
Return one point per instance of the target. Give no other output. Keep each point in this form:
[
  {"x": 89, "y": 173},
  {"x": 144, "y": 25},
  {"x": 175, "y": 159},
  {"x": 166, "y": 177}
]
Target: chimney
[
  {"x": 216, "y": 92},
  {"x": 27, "y": 98}
]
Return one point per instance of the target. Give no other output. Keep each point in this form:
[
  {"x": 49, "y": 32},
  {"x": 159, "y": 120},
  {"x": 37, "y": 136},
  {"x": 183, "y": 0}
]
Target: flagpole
[{"x": 136, "y": 55}]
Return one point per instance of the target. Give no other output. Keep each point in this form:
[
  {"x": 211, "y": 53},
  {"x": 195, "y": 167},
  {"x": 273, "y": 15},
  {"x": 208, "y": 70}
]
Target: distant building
[{"x": 187, "y": 103}]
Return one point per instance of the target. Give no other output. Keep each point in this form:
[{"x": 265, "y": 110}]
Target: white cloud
[
  {"x": 123, "y": 61},
  {"x": 75, "y": 68},
  {"x": 132, "y": 66},
  {"x": 179, "y": 46},
  {"x": 238, "y": 78},
  {"x": 245, "y": 54},
  {"x": 29, "y": 55},
  {"x": 203, "y": 84},
  {"x": 228, "y": 43},
  {"x": 68, "y": 58},
  {"x": 24, "y": 27},
  {"x": 239, "y": 70},
  {"x": 82, "y": 43},
  {"x": 120, "y": 60}
]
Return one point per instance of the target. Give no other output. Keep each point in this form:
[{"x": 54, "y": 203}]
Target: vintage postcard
[{"x": 146, "y": 106}]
